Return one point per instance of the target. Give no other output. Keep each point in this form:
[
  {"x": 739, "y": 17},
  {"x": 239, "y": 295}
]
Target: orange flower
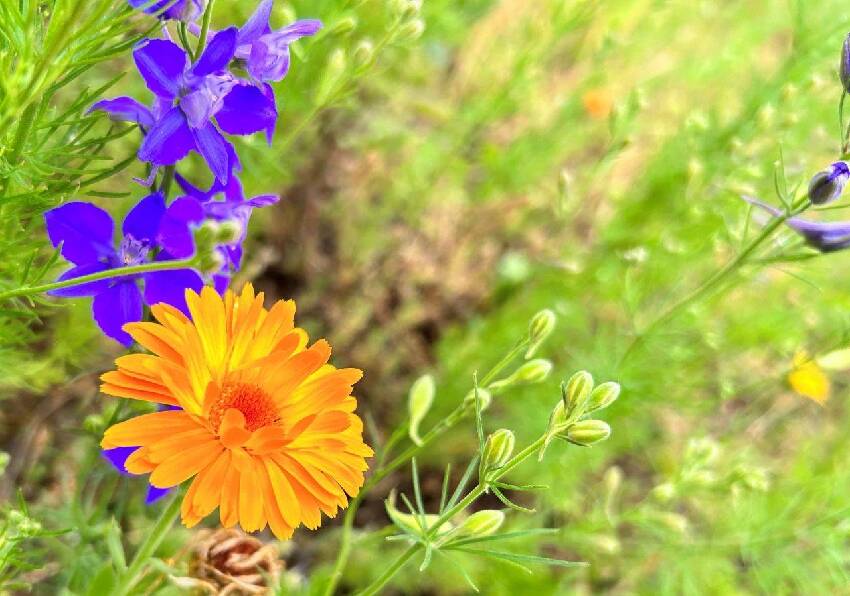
[{"x": 266, "y": 427}]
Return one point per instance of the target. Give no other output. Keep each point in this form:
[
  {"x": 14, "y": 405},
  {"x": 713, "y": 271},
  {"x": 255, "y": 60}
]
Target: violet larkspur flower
[
  {"x": 188, "y": 97},
  {"x": 118, "y": 458},
  {"x": 85, "y": 233},
  {"x": 221, "y": 203},
  {"x": 823, "y": 236},
  {"x": 264, "y": 52},
  {"x": 844, "y": 67},
  {"x": 180, "y": 10},
  {"x": 827, "y": 185}
]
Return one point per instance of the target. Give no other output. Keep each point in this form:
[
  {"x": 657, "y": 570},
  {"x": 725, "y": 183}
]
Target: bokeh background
[{"x": 443, "y": 183}]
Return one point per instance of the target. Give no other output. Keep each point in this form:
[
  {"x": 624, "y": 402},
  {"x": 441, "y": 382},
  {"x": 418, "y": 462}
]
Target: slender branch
[
  {"x": 458, "y": 414},
  {"x": 149, "y": 546},
  {"x": 713, "y": 281},
  {"x": 100, "y": 275},
  {"x": 447, "y": 515}
]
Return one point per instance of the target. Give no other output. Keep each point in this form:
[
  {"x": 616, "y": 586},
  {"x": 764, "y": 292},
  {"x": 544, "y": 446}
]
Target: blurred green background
[{"x": 442, "y": 185}]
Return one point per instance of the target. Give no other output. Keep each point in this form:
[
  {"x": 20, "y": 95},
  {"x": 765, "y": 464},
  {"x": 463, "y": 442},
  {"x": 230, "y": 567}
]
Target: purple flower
[
  {"x": 85, "y": 233},
  {"x": 823, "y": 236},
  {"x": 826, "y": 186},
  {"x": 266, "y": 52},
  {"x": 181, "y": 10},
  {"x": 118, "y": 458},
  {"x": 187, "y": 98},
  {"x": 221, "y": 203}
]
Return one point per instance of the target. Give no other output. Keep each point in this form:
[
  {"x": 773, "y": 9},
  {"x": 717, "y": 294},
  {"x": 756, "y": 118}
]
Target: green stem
[
  {"x": 458, "y": 414},
  {"x": 709, "y": 284},
  {"x": 149, "y": 546},
  {"x": 167, "y": 179},
  {"x": 100, "y": 275},
  {"x": 447, "y": 515},
  {"x": 205, "y": 29}
]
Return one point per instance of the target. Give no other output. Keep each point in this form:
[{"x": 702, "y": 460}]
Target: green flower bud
[
  {"x": 407, "y": 8},
  {"x": 603, "y": 396},
  {"x": 364, "y": 53},
  {"x": 588, "y": 432},
  {"x": 228, "y": 232},
  {"x": 411, "y": 523},
  {"x": 539, "y": 329},
  {"x": 207, "y": 258},
  {"x": 673, "y": 522},
  {"x": 498, "y": 449},
  {"x": 484, "y": 396},
  {"x": 419, "y": 401},
  {"x": 412, "y": 29},
  {"x": 337, "y": 63},
  {"x": 482, "y": 523},
  {"x": 664, "y": 492},
  {"x": 93, "y": 423},
  {"x": 577, "y": 391},
  {"x": 343, "y": 26},
  {"x": 533, "y": 371}
]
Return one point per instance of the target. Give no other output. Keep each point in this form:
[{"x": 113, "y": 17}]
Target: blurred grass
[{"x": 423, "y": 224}]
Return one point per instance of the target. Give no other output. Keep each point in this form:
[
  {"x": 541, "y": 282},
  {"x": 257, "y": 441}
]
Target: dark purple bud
[
  {"x": 844, "y": 68},
  {"x": 826, "y": 186}
]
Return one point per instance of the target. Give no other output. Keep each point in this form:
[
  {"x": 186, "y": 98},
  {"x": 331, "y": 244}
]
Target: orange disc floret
[{"x": 266, "y": 428}]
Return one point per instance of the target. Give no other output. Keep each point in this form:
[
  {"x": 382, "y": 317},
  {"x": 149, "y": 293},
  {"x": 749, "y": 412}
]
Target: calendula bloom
[{"x": 266, "y": 430}]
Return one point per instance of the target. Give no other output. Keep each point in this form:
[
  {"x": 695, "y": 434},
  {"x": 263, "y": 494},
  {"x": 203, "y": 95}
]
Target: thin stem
[
  {"x": 149, "y": 546},
  {"x": 167, "y": 179},
  {"x": 447, "y": 515},
  {"x": 713, "y": 281},
  {"x": 458, "y": 414},
  {"x": 205, "y": 29},
  {"x": 100, "y": 275},
  {"x": 390, "y": 572}
]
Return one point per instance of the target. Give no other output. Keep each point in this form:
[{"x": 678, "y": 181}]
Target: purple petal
[
  {"x": 88, "y": 289},
  {"x": 217, "y": 54},
  {"x": 170, "y": 287},
  {"x": 168, "y": 141},
  {"x": 207, "y": 98},
  {"x": 155, "y": 494},
  {"x": 246, "y": 110},
  {"x": 118, "y": 457},
  {"x": 297, "y": 30},
  {"x": 257, "y": 24},
  {"x": 142, "y": 222},
  {"x": 124, "y": 109},
  {"x": 175, "y": 232},
  {"x": 84, "y": 230},
  {"x": 824, "y": 236},
  {"x": 262, "y": 200},
  {"x": 116, "y": 306},
  {"x": 189, "y": 188},
  {"x": 161, "y": 64},
  {"x": 220, "y": 283},
  {"x": 213, "y": 147}
]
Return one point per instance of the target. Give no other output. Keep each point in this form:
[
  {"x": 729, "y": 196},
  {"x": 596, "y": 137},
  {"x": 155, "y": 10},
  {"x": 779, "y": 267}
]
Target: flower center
[
  {"x": 132, "y": 251},
  {"x": 255, "y": 404}
]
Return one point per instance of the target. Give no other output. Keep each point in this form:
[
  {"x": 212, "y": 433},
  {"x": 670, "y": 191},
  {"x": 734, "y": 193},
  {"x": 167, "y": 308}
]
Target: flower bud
[
  {"x": 343, "y": 26},
  {"x": 419, "y": 401},
  {"x": 337, "y": 63},
  {"x": 664, "y": 492},
  {"x": 612, "y": 481},
  {"x": 229, "y": 232},
  {"x": 498, "y": 449},
  {"x": 484, "y": 396},
  {"x": 539, "y": 329},
  {"x": 533, "y": 371},
  {"x": 603, "y": 396},
  {"x": 208, "y": 260},
  {"x": 482, "y": 523},
  {"x": 363, "y": 53},
  {"x": 588, "y": 432},
  {"x": 826, "y": 186},
  {"x": 844, "y": 67},
  {"x": 410, "y": 522},
  {"x": 412, "y": 29},
  {"x": 407, "y": 8},
  {"x": 576, "y": 391},
  {"x": 669, "y": 521}
]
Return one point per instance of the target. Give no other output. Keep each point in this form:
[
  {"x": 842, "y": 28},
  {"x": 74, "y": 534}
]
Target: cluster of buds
[{"x": 579, "y": 397}]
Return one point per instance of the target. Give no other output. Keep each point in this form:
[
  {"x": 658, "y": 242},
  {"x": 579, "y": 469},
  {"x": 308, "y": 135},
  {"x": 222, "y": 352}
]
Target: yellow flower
[
  {"x": 265, "y": 426},
  {"x": 808, "y": 379}
]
